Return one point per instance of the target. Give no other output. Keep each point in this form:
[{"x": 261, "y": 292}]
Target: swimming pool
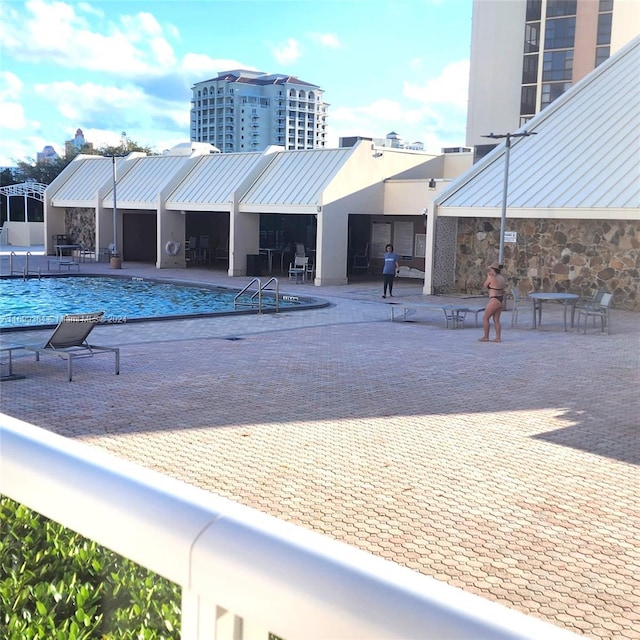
[{"x": 42, "y": 302}]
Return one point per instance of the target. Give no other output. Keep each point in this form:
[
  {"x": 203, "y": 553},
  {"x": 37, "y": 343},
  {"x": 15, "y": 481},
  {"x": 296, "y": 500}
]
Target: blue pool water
[{"x": 42, "y": 302}]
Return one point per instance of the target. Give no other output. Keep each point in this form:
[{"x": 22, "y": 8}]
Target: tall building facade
[
  {"x": 73, "y": 146},
  {"x": 48, "y": 154},
  {"x": 526, "y": 53},
  {"x": 249, "y": 110}
]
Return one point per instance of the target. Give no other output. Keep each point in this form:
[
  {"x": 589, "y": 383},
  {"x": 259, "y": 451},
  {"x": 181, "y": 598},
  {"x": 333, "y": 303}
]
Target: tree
[
  {"x": 46, "y": 171},
  {"x": 43, "y": 171},
  {"x": 7, "y": 178}
]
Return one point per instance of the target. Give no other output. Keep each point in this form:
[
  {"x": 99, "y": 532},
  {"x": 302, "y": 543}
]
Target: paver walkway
[{"x": 511, "y": 470}]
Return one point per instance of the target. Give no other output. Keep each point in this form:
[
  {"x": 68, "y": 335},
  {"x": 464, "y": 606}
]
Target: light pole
[
  {"x": 124, "y": 145},
  {"x": 114, "y": 253},
  {"x": 505, "y": 186}
]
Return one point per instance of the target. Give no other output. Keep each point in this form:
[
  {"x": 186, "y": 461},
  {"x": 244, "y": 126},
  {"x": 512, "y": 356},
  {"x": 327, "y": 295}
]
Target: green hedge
[{"x": 57, "y": 585}]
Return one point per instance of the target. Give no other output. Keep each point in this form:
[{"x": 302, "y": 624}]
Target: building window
[
  {"x": 604, "y": 29},
  {"x": 530, "y": 69},
  {"x": 605, "y": 5},
  {"x": 528, "y": 100},
  {"x": 551, "y": 91},
  {"x": 560, "y": 33},
  {"x": 534, "y": 10},
  {"x": 557, "y": 65},
  {"x": 557, "y": 8},
  {"x": 532, "y": 37},
  {"x": 602, "y": 53}
]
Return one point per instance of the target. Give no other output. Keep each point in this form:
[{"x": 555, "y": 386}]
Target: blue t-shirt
[{"x": 390, "y": 260}]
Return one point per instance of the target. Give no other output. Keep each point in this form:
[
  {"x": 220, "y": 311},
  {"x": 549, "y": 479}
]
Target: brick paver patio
[{"x": 511, "y": 470}]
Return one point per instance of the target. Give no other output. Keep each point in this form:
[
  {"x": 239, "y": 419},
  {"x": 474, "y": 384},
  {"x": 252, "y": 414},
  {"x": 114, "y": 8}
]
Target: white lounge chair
[{"x": 69, "y": 340}]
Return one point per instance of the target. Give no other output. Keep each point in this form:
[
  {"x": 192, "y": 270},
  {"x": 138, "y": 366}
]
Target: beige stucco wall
[
  {"x": 24, "y": 234},
  {"x": 625, "y": 24},
  {"x": 171, "y": 228},
  {"x": 580, "y": 256},
  {"x": 494, "y": 78}
]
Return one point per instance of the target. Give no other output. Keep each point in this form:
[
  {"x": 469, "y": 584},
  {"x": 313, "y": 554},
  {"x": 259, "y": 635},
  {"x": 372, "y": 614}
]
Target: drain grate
[{"x": 233, "y": 338}]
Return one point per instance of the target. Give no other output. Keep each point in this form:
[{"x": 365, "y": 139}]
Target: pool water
[{"x": 43, "y": 302}]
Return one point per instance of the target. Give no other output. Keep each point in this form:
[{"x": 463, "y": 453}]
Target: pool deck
[{"x": 511, "y": 470}]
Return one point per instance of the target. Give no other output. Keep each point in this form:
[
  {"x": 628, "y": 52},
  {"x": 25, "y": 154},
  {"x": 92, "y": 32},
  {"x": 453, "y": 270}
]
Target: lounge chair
[{"x": 69, "y": 340}]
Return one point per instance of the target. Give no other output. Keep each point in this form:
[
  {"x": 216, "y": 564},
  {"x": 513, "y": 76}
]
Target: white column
[
  {"x": 171, "y": 227},
  {"x": 430, "y": 230},
  {"x": 244, "y": 239},
  {"x": 331, "y": 248}
]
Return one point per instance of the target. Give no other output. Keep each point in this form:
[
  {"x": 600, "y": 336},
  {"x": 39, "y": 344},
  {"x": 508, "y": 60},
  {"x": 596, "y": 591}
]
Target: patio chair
[
  {"x": 298, "y": 269},
  {"x": 191, "y": 250},
  {"x": 222, "y": 253},
  {"x": 104, "y": 255},
  {"x": 310, "y": 270},
  {"x": 361, "y": 260},
  {"x": 586, "y": 301},
  {"x": 203, "y": 249},
  {"x": 595, "y": 310},
  {"x": 517, "y": 299},
  {"x": 86, "y": 253},
  {"x": 69, "y": 341}
]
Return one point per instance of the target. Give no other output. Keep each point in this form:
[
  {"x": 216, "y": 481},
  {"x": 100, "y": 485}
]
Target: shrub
[{"x": 57, "y": 585}]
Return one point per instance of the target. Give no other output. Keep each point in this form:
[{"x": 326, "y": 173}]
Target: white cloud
[
  {"x": 87, "y": 8},
  {"x": 288, "y": 52},
  {"x": 199, "y": 65},
  {"x": 450, "y": 87},
  {"x": 12, "y": 114},
  {"x": 435, "y": 113},
  {"x": 23, "y": 149},
  {"x": 10, "y": 86},
  {"x": 56, "y": 32},
  {"x": 377, "y": 112},
  {"x": 329, "y": 40},
  {"x": 124, "y": 107},
  {"x": 78, "y": 102}
]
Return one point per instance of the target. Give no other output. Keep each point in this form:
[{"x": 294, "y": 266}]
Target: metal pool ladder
[
  {"x": 254, "y": 299},
  {"x": 25, "y": 271}
]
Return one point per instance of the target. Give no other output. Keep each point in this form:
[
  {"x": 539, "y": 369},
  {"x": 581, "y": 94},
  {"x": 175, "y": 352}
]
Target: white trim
[{"x": 540, "y": 214}]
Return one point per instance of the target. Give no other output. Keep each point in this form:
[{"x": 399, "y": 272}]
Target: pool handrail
[{"x": 257, "y": 293}]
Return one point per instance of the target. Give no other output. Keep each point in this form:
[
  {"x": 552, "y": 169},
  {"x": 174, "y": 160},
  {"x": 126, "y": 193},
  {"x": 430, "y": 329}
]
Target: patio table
[
  {"x": 269, "y": 251},
  {"x": 566, "y": 299},
  {"x": 61, "y": 248}
]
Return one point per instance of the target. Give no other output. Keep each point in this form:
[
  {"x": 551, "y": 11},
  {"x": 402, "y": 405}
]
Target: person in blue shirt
[{"x": 389, "y": 270}]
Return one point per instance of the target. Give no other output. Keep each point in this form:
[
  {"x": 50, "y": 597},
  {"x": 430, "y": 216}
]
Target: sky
[{"x": 113, "y": 66}]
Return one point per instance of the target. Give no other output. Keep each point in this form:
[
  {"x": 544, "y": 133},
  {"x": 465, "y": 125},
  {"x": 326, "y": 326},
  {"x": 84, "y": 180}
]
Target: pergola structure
[{"x": 26, "y": 190}]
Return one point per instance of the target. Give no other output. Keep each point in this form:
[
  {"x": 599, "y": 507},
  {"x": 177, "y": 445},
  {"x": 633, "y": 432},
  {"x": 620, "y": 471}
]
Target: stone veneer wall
[
  {"x": 80, "y": 226},
  {"x": 444, "y": 275},
  {"x": 579, "y": 256}
]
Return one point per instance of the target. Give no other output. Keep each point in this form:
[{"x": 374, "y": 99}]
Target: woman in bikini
[{"x": 496, "y": 284}]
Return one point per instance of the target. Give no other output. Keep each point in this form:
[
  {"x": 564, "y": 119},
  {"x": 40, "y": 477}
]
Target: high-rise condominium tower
[
  {"x": 249, "y": 110},
  {"x": 526, "y": 53}
]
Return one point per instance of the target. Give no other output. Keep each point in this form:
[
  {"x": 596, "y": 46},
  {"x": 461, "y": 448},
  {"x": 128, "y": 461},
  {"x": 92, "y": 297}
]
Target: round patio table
[{"x": 566, "y": 299}]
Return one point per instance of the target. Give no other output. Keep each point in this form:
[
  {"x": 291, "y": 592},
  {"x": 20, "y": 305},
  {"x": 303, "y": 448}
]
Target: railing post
[{"x": 204, "y": 620}]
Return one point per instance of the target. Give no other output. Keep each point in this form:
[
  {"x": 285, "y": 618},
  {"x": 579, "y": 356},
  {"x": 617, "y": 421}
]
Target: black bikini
[{"x": 499, "y": 298}]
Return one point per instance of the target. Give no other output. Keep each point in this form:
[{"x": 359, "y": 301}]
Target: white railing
[{"x": 242, "y": 573}]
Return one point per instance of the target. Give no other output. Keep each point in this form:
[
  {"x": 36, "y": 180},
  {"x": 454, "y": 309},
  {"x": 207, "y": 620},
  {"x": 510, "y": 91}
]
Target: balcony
[{"x": 240, "y": 570}]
